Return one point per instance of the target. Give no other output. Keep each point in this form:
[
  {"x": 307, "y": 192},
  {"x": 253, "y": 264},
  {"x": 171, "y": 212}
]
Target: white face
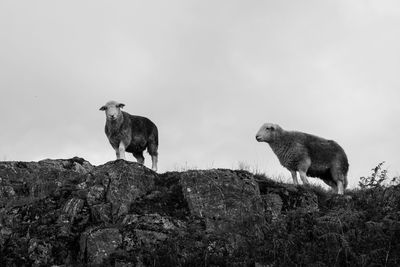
[
  {"x": 113, "y": 110},
  {"x": 267, "y": 132}
]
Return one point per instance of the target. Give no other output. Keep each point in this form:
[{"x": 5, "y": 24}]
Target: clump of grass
[
  {"x": 244, "y": 166},
  {"x": 185, "y": 167}
]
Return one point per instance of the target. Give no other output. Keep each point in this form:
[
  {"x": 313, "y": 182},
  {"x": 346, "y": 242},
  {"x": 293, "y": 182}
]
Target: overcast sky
[{"x": 208, "y": 73}]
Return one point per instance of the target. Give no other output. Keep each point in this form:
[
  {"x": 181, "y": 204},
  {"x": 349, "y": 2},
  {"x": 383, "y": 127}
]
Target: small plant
[{"x": 376, "y": 179}]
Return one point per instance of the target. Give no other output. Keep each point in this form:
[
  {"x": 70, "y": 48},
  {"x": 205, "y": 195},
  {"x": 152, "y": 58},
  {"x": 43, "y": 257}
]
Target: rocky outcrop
[{"x": 69, "y": 213}]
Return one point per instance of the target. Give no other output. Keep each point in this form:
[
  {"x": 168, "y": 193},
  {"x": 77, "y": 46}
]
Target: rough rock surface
[
  {"x": 70, "y": 213},
  {"x": 229, "y": 202}
]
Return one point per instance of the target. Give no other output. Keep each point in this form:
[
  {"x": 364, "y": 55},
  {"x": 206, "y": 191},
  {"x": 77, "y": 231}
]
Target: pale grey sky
[{"x": 208, "y": 73}]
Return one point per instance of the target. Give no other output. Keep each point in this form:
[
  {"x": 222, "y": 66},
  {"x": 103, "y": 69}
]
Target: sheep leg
[
  {"x": 332, "y": 184},
  {"x": 152, "y": 149},
  {"x": 294, "y": 176},
  {"x": 154, "y": 160},
  {"x": 338, "y": 181},
  {"x": 139, "y": 157},
  {"x": 303, "y": 167},
  {"x": 335, "y": 188},
  {"x": 303, "y": 177},
  {"x": 340, "y": 187},
  {"x": 120, "y": 151}
]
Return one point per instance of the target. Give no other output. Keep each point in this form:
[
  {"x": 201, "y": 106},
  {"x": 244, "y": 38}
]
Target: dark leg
[{"x": 139, "y": 157}]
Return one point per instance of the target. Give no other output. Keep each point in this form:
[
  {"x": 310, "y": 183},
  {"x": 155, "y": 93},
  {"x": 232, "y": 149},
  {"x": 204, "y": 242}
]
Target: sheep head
[
  {"x": 269, "y": 132},
  {"x": 113, "y": 110}
]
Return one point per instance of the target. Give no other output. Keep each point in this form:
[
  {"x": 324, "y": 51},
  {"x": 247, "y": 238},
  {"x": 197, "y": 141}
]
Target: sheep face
[
  {"x": 268, "y": 132},
  {"x": 113, "y": 110}
]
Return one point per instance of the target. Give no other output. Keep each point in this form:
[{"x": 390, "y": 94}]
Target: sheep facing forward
[
  {"x": 307, "y": 154},
  {"x": 130, "y": 133}
]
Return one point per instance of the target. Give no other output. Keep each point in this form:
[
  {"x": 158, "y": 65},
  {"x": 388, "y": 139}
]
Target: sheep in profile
[
  {"x": 307, "y": 154},
  {"x": 130, "y": 133}
]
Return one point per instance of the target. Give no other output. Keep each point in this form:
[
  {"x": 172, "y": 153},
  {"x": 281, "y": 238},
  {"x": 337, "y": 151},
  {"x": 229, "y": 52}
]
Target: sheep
[
  {"x": 130, "y": 133},
  {"x": 307, "y": 154}
]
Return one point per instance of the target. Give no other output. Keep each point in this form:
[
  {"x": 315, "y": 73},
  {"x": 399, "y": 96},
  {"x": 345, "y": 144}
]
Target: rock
[
  {"x": 23, "y": 182},
  {"x": 101, "y": 212},
  {"x": 96, "y": 194},
  {"x": 149, "y": 239},
  {"x": 5, "y": 234},
  {"x": 153, "y": 222},
  {"x": 122, "y": 182},
  {"x": 70, "y": 213},
  {"x": 229, "y": 202},
  {"x": 39, "y": 252},
  {"x": 152, "y": 239},
  {"x": 292, "y": 198},
  {"x": 98, "y": 244},
  {"x": 75, "y": 164},
  {"x": 224, "y": 198},
  {"x": 7, "y": 192},
  {"x": 72, "y": 207},
  {"x": 273, "y": 206}
]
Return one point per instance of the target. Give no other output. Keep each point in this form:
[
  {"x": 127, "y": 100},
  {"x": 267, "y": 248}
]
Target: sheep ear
[
  {"x": 103, "y": 108},
  {"x": 120, "y": 105}
]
